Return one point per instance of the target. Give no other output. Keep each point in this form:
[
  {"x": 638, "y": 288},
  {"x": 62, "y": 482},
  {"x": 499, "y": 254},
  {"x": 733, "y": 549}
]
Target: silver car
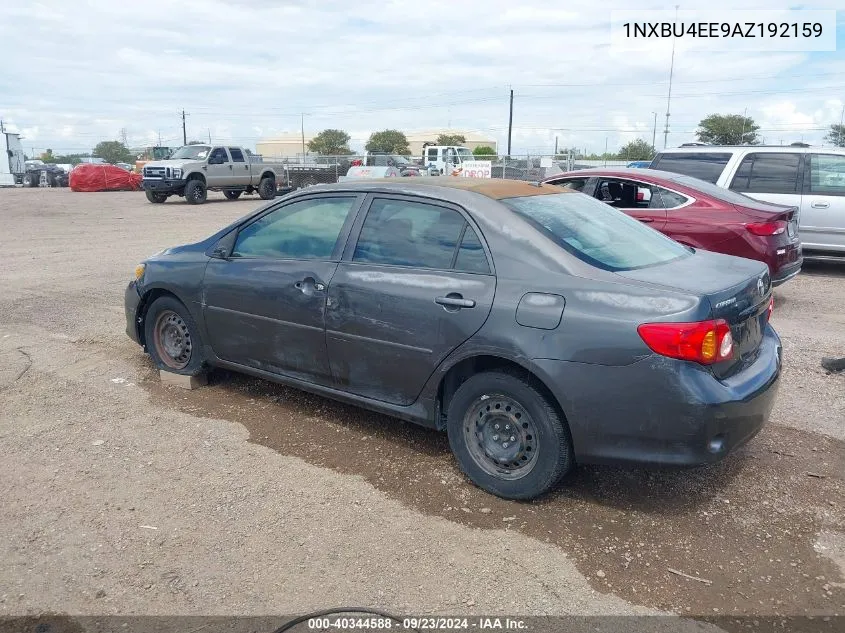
[{"x": 810, "y": 178}]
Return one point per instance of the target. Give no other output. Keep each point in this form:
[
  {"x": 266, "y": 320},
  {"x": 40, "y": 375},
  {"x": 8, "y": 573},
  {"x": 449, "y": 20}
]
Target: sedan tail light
[
  {"x": 771, "y": 308},
  {"x": 767, "y": 228},
  {"x": 704, "y": 342}
]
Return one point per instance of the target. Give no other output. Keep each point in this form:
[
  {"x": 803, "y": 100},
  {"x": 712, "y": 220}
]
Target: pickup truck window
[
  {"x": 768, "y": 173},
  {"x": 192, "y": 152},
  {"x": 704, "y": 165},
  {"x": 237, "y": 155},
  {"x": 219, "y": 155}
]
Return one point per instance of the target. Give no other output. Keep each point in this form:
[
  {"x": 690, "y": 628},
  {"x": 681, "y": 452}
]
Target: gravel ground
[{"x": 124, "y": 496}]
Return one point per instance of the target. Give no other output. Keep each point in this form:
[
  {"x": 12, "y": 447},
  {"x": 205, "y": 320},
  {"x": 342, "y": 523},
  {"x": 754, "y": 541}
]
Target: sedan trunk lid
[{"x": 737, "y": 289}]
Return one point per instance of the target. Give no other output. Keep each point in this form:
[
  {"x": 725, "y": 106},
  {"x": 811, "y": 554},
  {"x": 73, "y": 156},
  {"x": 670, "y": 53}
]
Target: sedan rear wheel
[{"x": 508, "y": 438}]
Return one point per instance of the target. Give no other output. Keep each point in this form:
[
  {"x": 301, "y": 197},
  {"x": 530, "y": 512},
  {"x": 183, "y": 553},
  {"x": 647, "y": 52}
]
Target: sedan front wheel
[
  {"x": 508, "y": 438},
  {"x": 172, "y": 337}
]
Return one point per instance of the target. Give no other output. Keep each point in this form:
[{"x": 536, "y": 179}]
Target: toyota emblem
[{"x": 760, "y": 287}]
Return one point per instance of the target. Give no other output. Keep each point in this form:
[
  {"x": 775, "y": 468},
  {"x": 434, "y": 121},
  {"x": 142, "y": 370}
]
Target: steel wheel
[
  {"x": 172, "y": 340},
  {"x": 501, "y": 436}
]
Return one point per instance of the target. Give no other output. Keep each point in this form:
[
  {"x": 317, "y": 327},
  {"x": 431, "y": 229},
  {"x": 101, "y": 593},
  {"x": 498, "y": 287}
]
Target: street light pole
[{"x": 654, "y": 131}]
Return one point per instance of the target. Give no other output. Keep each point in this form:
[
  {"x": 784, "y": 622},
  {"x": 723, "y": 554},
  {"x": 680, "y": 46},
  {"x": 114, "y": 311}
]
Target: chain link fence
[{"x": 305, "y": 171}]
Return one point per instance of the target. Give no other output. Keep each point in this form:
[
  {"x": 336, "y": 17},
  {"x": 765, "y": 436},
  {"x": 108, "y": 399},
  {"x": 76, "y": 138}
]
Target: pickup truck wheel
[
  {"x": 29, "y": 180},
  {"x": 156, "y": 197},
  {"x": 195, "y": 192},
  {"x": 267, "y": 188},
  {"x": 232, "y": 195}
]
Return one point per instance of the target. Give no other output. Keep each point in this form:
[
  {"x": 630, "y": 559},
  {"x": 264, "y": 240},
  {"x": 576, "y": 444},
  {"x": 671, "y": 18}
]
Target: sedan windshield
[
  {"x": 191, "y": 152},
  {"x": 595, "y": 232}
]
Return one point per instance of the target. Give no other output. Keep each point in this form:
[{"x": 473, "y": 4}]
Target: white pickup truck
[{"x": 193, "y": 170}]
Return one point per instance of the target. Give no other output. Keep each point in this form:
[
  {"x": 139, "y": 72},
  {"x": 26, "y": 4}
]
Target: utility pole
[
  {"x": 671, "y": 71},
  {"x": 654, "y": 132},
  {"x": 555, "y": 145},
  {"x": 303, "y": 136},
  {"x": 209, "y": 136},
  {"x": 605, "y": 151},
  {"x": 841, "y": 136},
  {"x": 2, "y": 127},
  {"x": 510, "y": 124},
  {"x": 744, "y": 118},
  {"x": 184, "y": 131}
]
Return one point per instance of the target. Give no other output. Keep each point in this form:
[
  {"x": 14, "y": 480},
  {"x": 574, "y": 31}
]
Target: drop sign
[{"x": 476, "y": 169}]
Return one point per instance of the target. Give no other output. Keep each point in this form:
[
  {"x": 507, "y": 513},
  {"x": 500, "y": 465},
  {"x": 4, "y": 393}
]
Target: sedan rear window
[{"x": 595, "y": 232}]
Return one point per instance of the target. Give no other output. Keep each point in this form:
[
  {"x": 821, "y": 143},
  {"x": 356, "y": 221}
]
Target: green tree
[
  {"x": 836, "y": 135},
  {"x": 637, "y": 150},
  {"x": 196, "y": 142},
  {"x": 451, "y": 139},
  {"x": 330, "y": 143},
  {"x": 113, "y": 152},
  {"x": 484, "y": 150},
  {"x": 389, "y": 141},
  {"x": 728, "y": 129},
  {"x": 48, "y": 157},
  {"x": 69, "y": 159}
]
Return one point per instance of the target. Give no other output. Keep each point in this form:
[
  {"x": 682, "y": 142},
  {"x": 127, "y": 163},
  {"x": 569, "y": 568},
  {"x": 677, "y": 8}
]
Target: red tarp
[{"x": 103, "y": 178}]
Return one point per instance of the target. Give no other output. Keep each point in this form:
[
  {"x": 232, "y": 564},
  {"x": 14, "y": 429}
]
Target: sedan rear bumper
[{"x": 663, "y": 411}]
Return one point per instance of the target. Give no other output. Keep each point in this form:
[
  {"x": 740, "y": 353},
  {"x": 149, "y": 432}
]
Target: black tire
[
  {"x": 267, "y": 188},
  {"x": 537, "y": 450},
  {"x": 164, "y": 315},
  {"x": 195, "y": 192},
  {"x": 231, "y": 194},
  {"x": 156, "y": 197},
  {"x": 29, "y": 180}
]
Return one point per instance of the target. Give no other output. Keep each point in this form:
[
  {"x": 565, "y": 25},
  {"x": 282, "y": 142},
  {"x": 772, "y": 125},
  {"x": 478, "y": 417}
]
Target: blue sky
[{"x": 247, "y": 69}]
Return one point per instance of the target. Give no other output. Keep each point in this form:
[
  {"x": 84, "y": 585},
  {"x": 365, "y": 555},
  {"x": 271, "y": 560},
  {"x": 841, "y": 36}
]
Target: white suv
[{"x": 810, "y": 178}]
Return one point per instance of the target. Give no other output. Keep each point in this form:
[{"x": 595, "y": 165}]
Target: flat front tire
[
  {"x": 172, "y": 337},
  {"x": 507, "y": 437}
]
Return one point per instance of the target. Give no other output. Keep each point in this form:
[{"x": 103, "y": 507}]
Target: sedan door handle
[
  {"x": 820, "y": 204},
  {"x": 454, "y": 300},
  {"x": 309, "y": 285},
  {"x": 646, "y": 220}
]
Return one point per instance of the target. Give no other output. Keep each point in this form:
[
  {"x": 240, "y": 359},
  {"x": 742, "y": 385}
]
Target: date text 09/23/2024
[{"x": 418, "y": 623}]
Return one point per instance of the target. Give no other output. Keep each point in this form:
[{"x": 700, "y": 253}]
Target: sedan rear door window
[
  {"x": 405, "y": 233},
  {"x": 595, "y": 232},
  {"x": 308, "y": 229}
]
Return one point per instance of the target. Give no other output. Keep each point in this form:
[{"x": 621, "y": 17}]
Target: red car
[{"x": 698, "y": 214}]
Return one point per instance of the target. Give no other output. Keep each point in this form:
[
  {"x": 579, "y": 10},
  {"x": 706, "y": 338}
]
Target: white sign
[{"x": 477, "y": 169}]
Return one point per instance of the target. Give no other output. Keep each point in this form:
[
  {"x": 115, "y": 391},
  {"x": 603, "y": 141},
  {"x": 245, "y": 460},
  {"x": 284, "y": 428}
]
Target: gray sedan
[{"x": 535, "y": 325}]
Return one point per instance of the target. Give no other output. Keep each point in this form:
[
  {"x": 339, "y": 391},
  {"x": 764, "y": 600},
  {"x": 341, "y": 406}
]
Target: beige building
[
  {"x": 287, "y": 146},
  {"x": 473, "y": 139}
]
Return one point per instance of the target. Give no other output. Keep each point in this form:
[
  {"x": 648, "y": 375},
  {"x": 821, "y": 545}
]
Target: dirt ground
[{"x": 124, "y": 496}]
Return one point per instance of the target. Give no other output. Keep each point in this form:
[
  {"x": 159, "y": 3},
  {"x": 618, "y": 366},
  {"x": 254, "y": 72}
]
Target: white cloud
[{"x": 248, "y": 69}]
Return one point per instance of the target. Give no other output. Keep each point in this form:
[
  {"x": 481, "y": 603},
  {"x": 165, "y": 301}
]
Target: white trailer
[{"x": 12, "y": 159}]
